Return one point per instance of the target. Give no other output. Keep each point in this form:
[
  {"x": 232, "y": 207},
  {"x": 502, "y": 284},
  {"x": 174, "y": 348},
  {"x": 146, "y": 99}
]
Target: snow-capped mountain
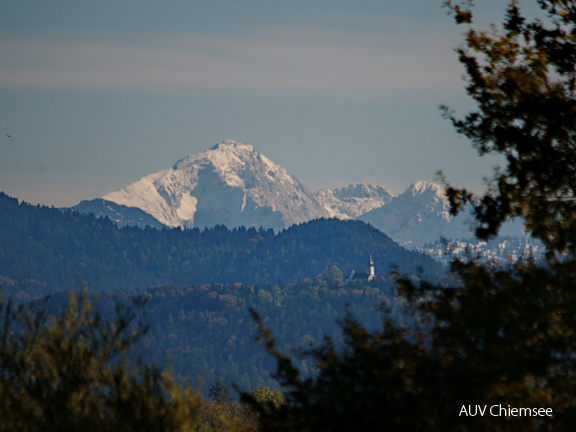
[
  {"x": 354, "y": 200},
  {"x": 421, "y": 214},
  {"x": 230, "y": 184}
]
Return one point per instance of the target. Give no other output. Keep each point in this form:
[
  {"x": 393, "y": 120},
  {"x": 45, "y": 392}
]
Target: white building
[{"x": 361, "y": 276}]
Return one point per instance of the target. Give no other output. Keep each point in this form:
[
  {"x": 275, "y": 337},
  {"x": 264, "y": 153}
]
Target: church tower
[
  {"x": 361, "y": 276},
  {"x": 371, "y": 273}
]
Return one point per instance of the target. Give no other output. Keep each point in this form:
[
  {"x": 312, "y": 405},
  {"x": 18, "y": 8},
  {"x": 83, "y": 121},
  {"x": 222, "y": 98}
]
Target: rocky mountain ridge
[
  {"x": 233, "y": 184},
  {"x": 354, "y": 200}
]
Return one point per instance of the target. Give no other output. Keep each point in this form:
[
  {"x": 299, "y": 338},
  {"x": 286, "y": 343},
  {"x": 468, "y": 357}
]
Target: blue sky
[{"x": 96, "y": 94}]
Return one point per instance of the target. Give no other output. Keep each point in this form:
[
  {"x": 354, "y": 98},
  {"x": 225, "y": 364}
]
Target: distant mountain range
[
  {"x": 233, "y": 184},
  {"x": 421, "y": 215}
]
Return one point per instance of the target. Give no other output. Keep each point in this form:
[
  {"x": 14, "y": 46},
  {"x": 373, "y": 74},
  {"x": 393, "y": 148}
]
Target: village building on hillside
[{"x": 361, "y": 276}]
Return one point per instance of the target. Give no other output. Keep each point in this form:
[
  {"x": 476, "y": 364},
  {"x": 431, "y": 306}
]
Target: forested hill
[{"x": 43, "y": 250}]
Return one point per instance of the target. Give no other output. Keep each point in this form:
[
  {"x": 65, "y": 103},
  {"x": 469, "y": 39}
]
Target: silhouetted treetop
[{"x": 523, "y": 80}]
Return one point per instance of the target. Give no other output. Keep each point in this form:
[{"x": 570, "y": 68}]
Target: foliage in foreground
[{"x": 71, "y": 371}]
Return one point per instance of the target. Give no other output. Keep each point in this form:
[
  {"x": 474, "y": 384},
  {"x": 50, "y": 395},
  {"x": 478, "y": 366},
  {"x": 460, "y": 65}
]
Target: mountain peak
[
  {"x": 422, "y": 187},
  {"x": 222, "y": 153},
  {"x": 232, "y": 145},
  {"x": 230, "y": 184},
  {"x": 421, "y": 214}
]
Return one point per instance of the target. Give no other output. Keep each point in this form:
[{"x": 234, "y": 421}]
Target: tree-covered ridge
[{"x": 43, "y": 250}]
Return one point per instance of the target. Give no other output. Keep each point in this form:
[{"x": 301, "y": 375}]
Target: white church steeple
[{"x": 371, "y": 272}]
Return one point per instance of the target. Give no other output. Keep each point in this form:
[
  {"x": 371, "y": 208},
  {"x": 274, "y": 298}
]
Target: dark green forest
[{"x": 44, "y": 250}]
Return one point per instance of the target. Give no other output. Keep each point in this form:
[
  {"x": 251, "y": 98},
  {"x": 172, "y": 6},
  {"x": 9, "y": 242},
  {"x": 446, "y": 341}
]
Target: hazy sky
[{"x": 96, "y": 94}]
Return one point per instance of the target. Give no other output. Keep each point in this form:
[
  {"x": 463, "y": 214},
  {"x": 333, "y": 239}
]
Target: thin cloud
[{"x": 284, "y": 59}]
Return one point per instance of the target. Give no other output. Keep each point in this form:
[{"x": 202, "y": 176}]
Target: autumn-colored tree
[
  {"x": 226, "y": 416},
  {"x": 522, "y": 77}
]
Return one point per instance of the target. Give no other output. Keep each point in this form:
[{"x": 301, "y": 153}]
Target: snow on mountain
[
  {"x": 354, "y": 200},
  {"x": 234, "y": 185},
  {"x": 501, "y": 249},
  {"x": 230, "y": 184},
  {"x": 421, "y": 214}
]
